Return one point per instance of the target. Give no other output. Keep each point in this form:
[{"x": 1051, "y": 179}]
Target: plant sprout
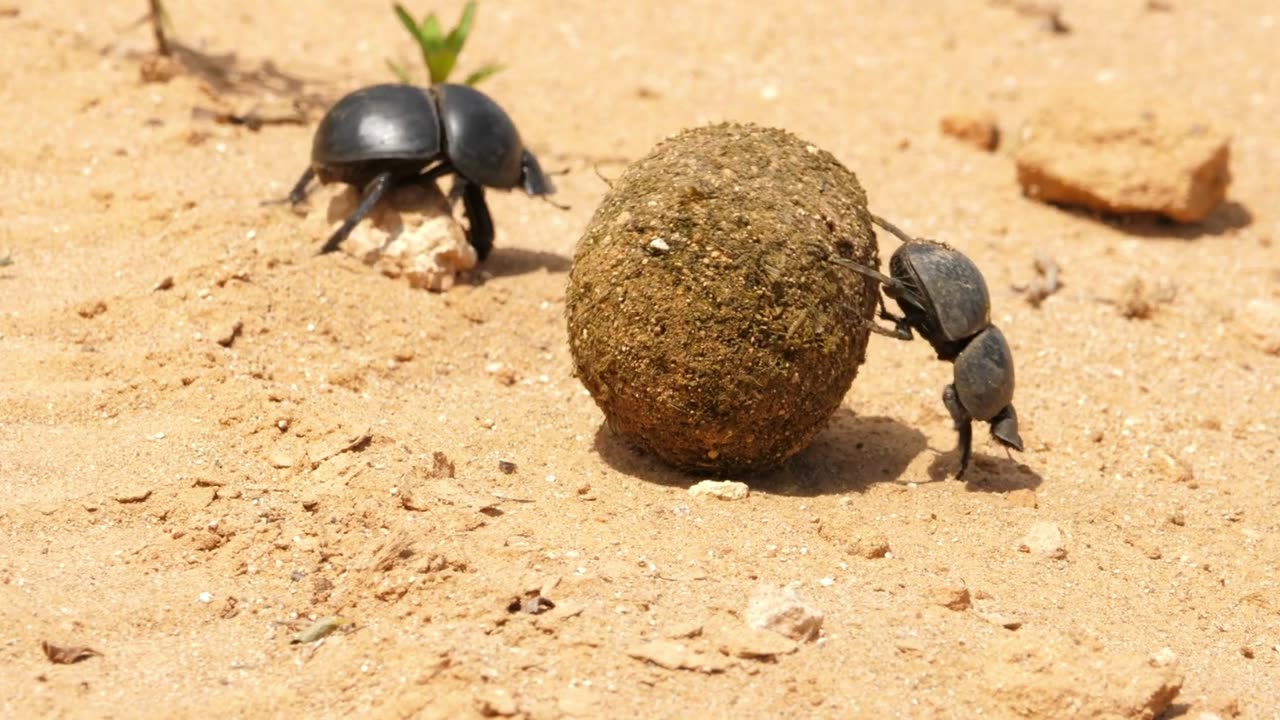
[{"x": 440, "y": 51}]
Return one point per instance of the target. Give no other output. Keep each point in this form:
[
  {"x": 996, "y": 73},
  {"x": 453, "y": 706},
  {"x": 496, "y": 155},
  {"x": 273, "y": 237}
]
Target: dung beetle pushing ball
[
  {"x": 384, "y": 136},
  {"x": 944, "y": 297}
]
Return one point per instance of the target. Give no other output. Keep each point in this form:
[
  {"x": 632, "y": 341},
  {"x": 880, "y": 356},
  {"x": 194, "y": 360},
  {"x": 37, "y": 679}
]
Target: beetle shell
[
  {"x": 483, "y": 144},
  {"x": 380, "y": 122},
  {"x": 949, "y": 283},
  {"x": 984, "y": 374}
]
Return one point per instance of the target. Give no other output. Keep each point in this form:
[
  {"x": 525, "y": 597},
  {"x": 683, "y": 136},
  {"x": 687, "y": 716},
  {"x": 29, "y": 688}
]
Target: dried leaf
[
  {"x": 68, "y": 655},
  {"x": 319, "y": 630}
]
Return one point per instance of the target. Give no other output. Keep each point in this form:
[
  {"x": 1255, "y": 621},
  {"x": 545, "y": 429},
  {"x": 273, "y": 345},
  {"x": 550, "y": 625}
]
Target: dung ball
[{"x": 704, "y": 314}]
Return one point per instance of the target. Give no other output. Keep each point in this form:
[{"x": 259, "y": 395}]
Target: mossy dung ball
[{"x": 705, "y": 317}]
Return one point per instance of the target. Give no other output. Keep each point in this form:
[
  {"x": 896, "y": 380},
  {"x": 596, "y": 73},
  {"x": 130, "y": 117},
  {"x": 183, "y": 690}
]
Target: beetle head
[
  {"x": 532, "y": 179},
  {"x": 1004, "y": 428}
]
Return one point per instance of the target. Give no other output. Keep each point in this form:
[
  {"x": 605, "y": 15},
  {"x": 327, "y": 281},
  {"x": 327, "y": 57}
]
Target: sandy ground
[{"x": 184, "y": 497}]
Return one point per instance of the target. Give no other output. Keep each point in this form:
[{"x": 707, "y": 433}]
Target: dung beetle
[
  {"x": 944, "y": 297},
  {"x": 384, "y": 136}
]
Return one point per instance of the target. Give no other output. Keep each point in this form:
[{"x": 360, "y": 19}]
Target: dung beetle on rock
[
  {"x": 944, "y": 297},
  {"x": 384, "y": 136}
]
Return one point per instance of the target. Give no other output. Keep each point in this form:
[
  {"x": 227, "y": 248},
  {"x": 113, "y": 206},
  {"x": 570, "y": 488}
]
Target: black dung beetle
[
  {"x": 383, "y": 136},
  {"x": 944, "y": 297}
]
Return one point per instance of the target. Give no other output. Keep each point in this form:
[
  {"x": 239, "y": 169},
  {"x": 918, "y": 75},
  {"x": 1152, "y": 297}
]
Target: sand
[{"x": 210, "y": 437}]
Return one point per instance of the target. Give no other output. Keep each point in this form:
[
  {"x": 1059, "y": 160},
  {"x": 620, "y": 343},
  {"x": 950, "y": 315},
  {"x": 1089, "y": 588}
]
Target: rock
[
  {"x": 684, "y": 630},
  {"x": 281, "y": 459},
  {"x": 1164, "y": 657},
  {"x": 952, "y": 597},
  {"x": 1112, "y": 150},
  {"x": 134, "y": 495},
  {"x": 1261, "y": 319},
  {"x": 89, "y": 310},
  {"x": 754, "y": 643},
  {"x": 496, "y": 702},
  {"x": 674, "y": 655},
  {"x": 781, "y": 610},
  {"x": 1003, "y": 619},
  {"x": 1044, "y": 675},
  {"x": 978, "y": 129},
  {"x": 869, "y": 546},
  {"x": 228, "y": 334},
  {"x": 1045, "y": 539},
  {"x": 723, "y": 489},
  {"x": 412, "y": 234},
  {"x": 578, "y": 701}
]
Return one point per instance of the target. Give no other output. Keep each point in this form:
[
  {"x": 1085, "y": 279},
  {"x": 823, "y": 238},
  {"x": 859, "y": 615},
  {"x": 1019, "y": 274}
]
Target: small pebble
[
  {"x": 1044, "y": 539},
  {"x": 781, "y": 610},
  {"x": 953, "y": 598}
]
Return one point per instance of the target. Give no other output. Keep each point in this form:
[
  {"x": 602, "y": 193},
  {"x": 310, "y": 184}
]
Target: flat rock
[
  {"x": 722, "y": 489},
  {"x": 674, "y": 655},
  {"x": 1114, "y": 150},
  {"x": 754, "y": 643},
  {"x": 781, "y": 610},
  {"x": 1042, "y": 676},
  {"x": 977, "y": 128}
]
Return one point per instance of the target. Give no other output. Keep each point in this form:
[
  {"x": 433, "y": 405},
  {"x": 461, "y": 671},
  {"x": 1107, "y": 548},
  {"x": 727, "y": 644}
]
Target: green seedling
[{"x": 440, "y": 51}]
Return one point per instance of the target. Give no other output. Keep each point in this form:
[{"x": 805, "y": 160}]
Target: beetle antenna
[
  {"x": 553, "y": 203},
  {"x": 864, "y": 270},
  {"x": 892, "y": 228}
]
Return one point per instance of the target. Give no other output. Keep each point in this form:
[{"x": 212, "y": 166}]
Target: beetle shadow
[
  {"x": 1230, "y": 216},
  {"x": 511, "y": 261},
  {"x": 986, "y": 473},
  {"x": 851, "y": 454}
]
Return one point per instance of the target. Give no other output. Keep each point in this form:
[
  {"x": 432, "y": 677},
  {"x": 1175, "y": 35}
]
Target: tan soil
[{"x": 193, "y": 474}]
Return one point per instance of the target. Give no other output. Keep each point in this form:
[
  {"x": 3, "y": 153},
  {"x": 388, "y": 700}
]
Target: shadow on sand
[{"x": 850, "y": 455}]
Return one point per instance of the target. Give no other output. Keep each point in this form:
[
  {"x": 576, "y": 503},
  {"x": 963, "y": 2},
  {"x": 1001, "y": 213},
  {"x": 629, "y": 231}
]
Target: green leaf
[
  {"x": 407, "y": 20},
  {"x": 458, "y": 36},
  {"x": 484, "y": 72},
  {"x": 400, "y": 72},
  {"x": 431, "y": 30}
]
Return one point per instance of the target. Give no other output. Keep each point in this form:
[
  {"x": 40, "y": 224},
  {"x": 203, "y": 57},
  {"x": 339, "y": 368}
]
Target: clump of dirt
[
  {"x": 411, "y": 233},
  {"x": 704, "y": 315}
]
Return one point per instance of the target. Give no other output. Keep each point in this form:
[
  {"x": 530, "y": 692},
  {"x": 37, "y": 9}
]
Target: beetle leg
[
  {"x": 901, "y": 328},
  {"x": 480, "y": 223},
  {"x": 299, "y": 191},
  {"x": 963, "y": 423},
  {"x": 373, "y": 192},
  {"x": 455, "y": 191},
  {"x": 894, "y": 229}
]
